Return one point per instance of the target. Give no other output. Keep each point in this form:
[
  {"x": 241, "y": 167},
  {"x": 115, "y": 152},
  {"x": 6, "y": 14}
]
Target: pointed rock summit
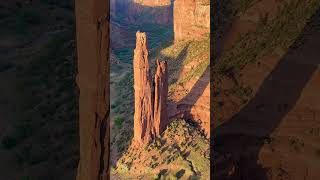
[
  {"x": 160, "y": 96},
  {"x": 143, "y": 103},
  {"x": 150, "y": 109}
]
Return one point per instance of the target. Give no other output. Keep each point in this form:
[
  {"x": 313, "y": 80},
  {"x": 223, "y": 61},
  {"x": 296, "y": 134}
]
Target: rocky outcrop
[
  {"x": 143, "y": 102},
  {"x": 191, "y": 19},
  {"x": 160, "y": 97},
  {"x": 195, "y": 105},
  {"x": 93, "y": 81},
  {"x": 150, "y": 110}
]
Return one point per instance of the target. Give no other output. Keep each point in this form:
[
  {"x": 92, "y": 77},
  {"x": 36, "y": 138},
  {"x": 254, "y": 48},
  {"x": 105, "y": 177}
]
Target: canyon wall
[
  {"x": 92, "y": 23},
  {"x": 143, "y": 101},
  {"x": 142, "y": 11},
  {"x": 160, "y": 97},
  {"x": 191, "y": 19}
]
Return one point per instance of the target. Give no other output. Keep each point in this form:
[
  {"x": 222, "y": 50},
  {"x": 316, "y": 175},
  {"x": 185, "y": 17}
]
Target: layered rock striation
[
  {"x": 150, "y": 97},
  {"x": 191, "y": 19}
]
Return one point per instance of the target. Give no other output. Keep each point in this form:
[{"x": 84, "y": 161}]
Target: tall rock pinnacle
[
  {"x": 161, "y": 96},
  {"x": 143, "y": 102}
]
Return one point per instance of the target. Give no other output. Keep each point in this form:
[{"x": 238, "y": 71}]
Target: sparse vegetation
[
  {"x": 184, "y": 54},
  {"x": 118, "y": 121},
  {"x": 270, "y": 34},
  {"x": 166, "y": 152}
]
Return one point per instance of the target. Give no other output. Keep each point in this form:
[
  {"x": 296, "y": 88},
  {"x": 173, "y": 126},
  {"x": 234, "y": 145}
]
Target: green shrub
[
  {"x": 156, "y": 177},
  {"x": 118, "y": 121}
]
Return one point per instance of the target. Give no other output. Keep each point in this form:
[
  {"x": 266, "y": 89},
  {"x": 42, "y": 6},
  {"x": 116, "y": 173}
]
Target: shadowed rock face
[
  {"x": 191, "y": 19},
  {"x": 93, "y": 82},
  {"x": 161, "y": 96},
  {"x": 143, "y": 114}
]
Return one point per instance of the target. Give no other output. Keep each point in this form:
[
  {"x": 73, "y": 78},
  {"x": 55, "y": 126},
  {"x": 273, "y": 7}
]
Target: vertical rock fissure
[
  {"x": 102, "y": 121},
  {"x": 103, "y": 127},
  {"x": 160, "y": 96},
  {"x": 92, "y": 23}
]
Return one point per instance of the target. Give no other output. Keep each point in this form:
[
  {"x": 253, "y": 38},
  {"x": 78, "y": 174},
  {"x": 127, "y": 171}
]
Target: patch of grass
[
  {"x": 156, "y": 177},
  {"x": 277, "y": 33},
  {"x": 122, "y": 168},
  {"x": 115, "y": 67},
  {"x": 184, "y": 53},
  {"x": 118, "y": 121},
  {"x": 196, "y": 49}
]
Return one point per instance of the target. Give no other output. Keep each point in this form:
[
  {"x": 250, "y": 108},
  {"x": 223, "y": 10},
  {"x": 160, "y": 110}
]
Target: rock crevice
[{"x": 160, "y": 96}]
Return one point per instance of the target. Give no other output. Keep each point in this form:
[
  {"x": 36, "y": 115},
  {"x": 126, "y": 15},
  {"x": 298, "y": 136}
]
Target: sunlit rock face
[
  {"x": 191, "y": 19},
  {"x": 143, "y": 102},
  {"x": 150, "y": 110}
]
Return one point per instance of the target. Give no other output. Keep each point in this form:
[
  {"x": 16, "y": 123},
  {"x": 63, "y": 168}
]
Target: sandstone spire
[
  {"x": 161, "y": 96},
  {"x": 143, "y": 114}
]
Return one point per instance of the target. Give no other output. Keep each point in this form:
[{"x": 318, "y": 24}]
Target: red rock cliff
[
  {"x": 160, "y": 97},
  {"x": 143, "y": 11},
  {"x": 191, "y": 19},
  {"x": 93, "y": 72},
  {"x": 143, "y": 114}
]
